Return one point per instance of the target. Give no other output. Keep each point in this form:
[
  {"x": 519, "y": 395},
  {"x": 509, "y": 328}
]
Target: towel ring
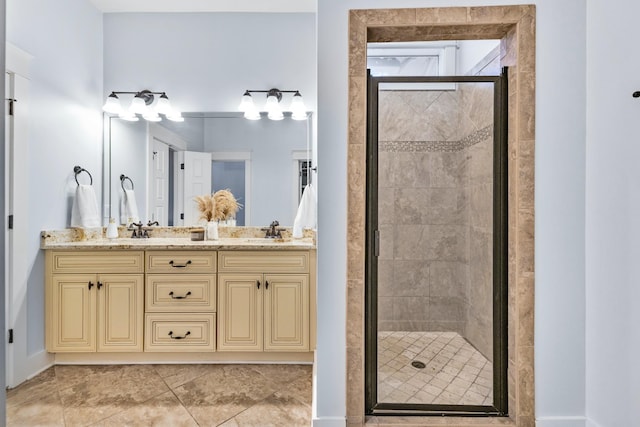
[
  {"x": 123, "y": 178},
  {"x": 78, "y": 170}
]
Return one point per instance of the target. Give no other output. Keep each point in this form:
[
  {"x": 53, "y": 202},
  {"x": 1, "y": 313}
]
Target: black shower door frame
[{"x": 500, "y": 255}]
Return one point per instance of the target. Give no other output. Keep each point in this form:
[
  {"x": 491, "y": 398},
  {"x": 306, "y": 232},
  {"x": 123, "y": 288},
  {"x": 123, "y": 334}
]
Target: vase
[
  {"x": 112, "y": 229},
  {"x": 212, "y": 230}
]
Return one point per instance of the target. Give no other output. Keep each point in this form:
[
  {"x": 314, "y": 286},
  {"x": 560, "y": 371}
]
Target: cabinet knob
[
  {"x": 258, "y": 283},
  {"x": 90, "y": 285},
  {"x": 266, "y": 284},
  {"x": 99, "y": 285}
]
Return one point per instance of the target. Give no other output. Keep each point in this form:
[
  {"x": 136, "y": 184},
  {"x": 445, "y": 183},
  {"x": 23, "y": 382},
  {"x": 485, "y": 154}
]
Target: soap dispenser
[{"x": 112, "y": 229}]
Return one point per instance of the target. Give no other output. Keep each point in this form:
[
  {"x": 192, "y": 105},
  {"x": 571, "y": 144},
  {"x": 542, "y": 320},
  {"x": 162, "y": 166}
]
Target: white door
[
  {"x": 197, "y": 182},
  {"x": 159, "y": 194},
  {"x": 17, "y": 177}
]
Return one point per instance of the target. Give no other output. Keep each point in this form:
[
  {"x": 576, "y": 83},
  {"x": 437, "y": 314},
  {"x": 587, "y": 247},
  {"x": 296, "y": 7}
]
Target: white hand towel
[
  {"x": 128, "y": 207},
  {"x": 307, "y": 212},
  {"x": 84, "y": 212}
]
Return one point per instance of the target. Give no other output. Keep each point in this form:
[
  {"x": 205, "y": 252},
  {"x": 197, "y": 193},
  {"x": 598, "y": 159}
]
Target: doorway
[
  {"x": 515, "y": 27},
  {"x": 436, "y": 252}
]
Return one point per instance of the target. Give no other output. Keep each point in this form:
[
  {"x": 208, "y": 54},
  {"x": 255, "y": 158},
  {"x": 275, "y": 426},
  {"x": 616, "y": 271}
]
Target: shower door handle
[{"x": 376, "y": 242}]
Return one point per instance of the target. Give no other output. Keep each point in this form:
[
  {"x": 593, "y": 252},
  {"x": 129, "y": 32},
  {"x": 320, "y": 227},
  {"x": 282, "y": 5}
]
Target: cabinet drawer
[
  {"x": 181, "y": 262},
  {"x": 264, "y": 261},
  {"x": 180, "y": 293},
  {"x": 179, "y": 332},
  {"x": 96, "y": 261}
]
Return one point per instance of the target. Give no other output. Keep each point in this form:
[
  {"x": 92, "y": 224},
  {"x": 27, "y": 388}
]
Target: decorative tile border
[
  {"x": 436, "y": 146},
  {"x": 515, "y": 26}
]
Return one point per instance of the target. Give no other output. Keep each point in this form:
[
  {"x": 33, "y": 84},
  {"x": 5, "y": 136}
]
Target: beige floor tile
[
  {"x": 176, "y": 375},
  {"x": 453, "y": 366},
  {"x": 138, "y": 395},
  {"x": 163, "y": 410},
  {"x": 106, "y": 395},
  {"x": 283, "y": 374},
  {"x": 223, "y": 393},
  {"x": 301, "y": 389},
  {"x": 46, "y": 410},
  {"x": 274, "y": 411},
  {"x": 37, "y": 388}
]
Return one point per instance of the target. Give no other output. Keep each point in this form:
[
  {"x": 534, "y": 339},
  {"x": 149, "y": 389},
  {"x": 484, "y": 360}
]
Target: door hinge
[
  {"x": 181, "y": 216},
  {"x": 11, "y": 102},
  {"x": 182, "y": 166},
  {"x": 10, "y": 336},
  {"x": 10, "y": 222}
]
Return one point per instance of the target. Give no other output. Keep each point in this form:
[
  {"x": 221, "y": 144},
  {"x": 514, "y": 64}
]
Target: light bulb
[
  {"x": 151, "y": 116},
  {"x": 163, "y": 106},
  {"x": 297, "y": 106},
  {"x": 272, "y": 104},
  {"x": 128, "y": 116},
  {"x": 175, "y": 116},
  {"x": 246, "y": 103},
  {"x": 138, "y": 106},
  {"x": 299, "y": 116},
  {"x": 112, "y": 104},
  {"x": 252, "y": 114},
  {"x": 275, "y": 115}
]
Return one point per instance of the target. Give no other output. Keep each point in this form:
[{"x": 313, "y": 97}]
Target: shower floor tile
[{"x": 455, "y": 372}]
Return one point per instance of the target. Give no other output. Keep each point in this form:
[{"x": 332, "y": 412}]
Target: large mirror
[{"x": 164, "y": 165}]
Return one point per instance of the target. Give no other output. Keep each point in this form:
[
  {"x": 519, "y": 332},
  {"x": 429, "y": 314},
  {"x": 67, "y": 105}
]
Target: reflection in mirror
[{"x": 169, "y": 163}]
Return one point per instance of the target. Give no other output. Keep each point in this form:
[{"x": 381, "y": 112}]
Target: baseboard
[
  {"x": 562, "y": 422},
  {"x": 329, "y": 422}
]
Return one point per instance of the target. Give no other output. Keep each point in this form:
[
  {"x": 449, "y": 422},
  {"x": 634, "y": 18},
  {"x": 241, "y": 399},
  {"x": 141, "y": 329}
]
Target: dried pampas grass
[
  {"x": 226, "y": 205},
  {"x": 219, "y": 206},
  {"x": 206, "y": 206}
]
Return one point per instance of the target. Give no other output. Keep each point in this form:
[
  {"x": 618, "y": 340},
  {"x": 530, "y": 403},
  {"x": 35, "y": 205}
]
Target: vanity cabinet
[
  {"x": 167, "y": 305},
  {"x": 263, "y": 301},
  {"x": 94, "y": 301},
  {"x": 180, "y": 302}
]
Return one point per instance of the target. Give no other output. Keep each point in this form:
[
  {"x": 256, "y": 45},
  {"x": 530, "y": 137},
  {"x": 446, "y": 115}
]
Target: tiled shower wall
[{"x": 435, "y": 171}]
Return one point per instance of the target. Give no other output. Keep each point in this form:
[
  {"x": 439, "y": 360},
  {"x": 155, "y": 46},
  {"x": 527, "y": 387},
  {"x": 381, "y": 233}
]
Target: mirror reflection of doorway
[{"x": 436, "y": 261}]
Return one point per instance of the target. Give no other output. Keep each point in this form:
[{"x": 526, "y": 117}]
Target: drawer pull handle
[
  {"x": 179, "y": 265},
  {"x": 266, "y": 284},
  {"x": 258, "y": 283},
  {"x": 175, "y": 297},
  {"x": 179, "y": 338}
]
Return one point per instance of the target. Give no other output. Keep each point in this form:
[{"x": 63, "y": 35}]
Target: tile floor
[
  {"x": 455, "y": 372},
  {"x": 164, "y": 395}
]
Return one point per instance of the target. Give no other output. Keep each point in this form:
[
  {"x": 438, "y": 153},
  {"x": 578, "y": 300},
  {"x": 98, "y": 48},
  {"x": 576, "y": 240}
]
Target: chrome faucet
[
  {"x": 273, "y": 232},
  {"x": 149, "y": 224}
]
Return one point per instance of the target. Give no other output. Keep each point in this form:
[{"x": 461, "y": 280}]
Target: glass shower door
[{"x": 435, "y": 279}]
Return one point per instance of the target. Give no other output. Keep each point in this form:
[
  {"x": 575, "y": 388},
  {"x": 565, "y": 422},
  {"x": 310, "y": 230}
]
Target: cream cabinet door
[
  {"x": 286, "y": 317},
  {"x": 240, "y": 302},
  {"x": 120, "y": 312},
  {"x": 73, "y": 315}
]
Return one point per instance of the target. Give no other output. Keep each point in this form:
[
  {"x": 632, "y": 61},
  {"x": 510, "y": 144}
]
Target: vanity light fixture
[
  {"x": 273, "y": 106},
  {"x": 142, "y": 104}
]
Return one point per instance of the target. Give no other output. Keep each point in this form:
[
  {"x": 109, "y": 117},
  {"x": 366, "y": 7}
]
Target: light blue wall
[
  {"x": 613, "y": 214},
  {"x": 205, "y": 61},
  {"x": 271, "y": 144},
  {"x": 560, "y": 198},
  {"x": 65, "y": 122}
]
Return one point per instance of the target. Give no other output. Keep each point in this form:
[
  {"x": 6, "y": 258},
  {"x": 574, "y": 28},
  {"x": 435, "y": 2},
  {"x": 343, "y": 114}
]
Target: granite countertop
[{"x": 243, "y": 238}]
